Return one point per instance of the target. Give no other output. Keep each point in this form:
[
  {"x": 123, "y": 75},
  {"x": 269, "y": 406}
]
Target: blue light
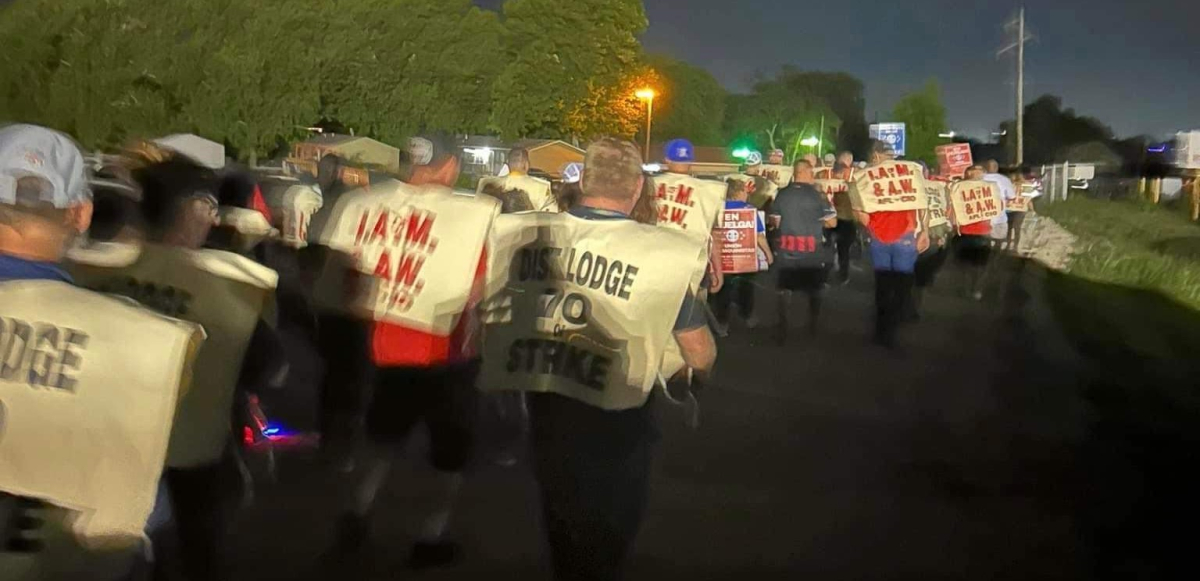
[{"x": 1157, "y": 148}]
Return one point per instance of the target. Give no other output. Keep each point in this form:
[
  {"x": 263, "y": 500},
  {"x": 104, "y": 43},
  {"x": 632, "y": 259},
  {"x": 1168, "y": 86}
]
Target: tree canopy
[
  {"x": 1051, "y": 130},
  {"x": 924, "y": 118},
  {"x": 256, "y": 75},
  {"x": 568, "y": 66},
  {"x": 690, "y": 104},
  {"x": 781, "y": 112}
]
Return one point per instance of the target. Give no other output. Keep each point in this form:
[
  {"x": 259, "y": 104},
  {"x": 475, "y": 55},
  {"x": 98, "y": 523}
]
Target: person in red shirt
[
  {"x": 422, "y": 376},
  {"x": 974, "y": 245},
  {"x": 896, "y": 241}
]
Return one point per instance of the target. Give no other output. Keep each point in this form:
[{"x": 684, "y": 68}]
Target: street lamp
[{"x": 647, "y": 95}]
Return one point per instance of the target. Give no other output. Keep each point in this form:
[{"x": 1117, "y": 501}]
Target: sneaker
[{"x": 431, "y": 555}]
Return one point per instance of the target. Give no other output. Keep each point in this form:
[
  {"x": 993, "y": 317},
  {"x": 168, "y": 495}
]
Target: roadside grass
[
  {"x": 1133, "y": 244},
  {"x": 1130, "y": 303}
]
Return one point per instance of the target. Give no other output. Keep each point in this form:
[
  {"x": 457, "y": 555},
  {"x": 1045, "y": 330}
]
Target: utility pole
[{"x": 1019, "y": 44}]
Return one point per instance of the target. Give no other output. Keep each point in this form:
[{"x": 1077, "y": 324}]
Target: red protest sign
[
  {"x": 739, "y": 231},
  {"x": 954, "y": 158}
]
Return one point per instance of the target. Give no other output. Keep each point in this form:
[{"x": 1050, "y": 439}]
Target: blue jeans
[{"x": 899, "y": 256}]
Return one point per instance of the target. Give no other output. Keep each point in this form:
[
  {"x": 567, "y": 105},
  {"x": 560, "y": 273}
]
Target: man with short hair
[
  {"x": 112, "y": 375},
  {"x": 812, "y": 160},
  {"x": 593, "y": 432},
  {"x": 518, "y": 178},
  {"x": 800, "y": 251},
  {"x": 897, "y": 239}
]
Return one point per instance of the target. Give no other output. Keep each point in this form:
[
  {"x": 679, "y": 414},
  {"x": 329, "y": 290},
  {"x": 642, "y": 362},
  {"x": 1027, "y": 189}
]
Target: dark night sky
[{"x": 1130, "y": 63}]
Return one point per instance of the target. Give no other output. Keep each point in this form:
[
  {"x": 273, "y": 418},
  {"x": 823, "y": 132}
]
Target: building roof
[
  {"x": 336, "y": 140},
  {"x": 497, "y": 143},
  {"x": 206, "y": 152},
  {"x": 532, "y": 144},
  {"x": 481, "y": 141},
  {"x": 332, "y": 139}
]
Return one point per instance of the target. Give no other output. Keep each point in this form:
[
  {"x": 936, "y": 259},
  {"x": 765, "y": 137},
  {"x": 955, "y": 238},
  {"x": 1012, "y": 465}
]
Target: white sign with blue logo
[{"x": 891, "y": 134}]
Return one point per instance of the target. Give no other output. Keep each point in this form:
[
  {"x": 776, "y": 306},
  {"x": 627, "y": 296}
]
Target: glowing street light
[
  {"x": 647, "y": 95},
  {"x": 810, "y": 142}
]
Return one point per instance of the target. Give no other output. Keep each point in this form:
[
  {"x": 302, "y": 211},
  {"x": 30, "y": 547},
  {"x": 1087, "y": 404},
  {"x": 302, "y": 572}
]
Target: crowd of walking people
[{"x": 142, "y": 297}]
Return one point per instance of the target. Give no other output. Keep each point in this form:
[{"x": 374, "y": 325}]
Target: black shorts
[
  {"x": 928, "y": 265},
  {"x": 444, "y": 397},
  {"x": 973, "y": 250},
  {"x": 806, "y": 279}
]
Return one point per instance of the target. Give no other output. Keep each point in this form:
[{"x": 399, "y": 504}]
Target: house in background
[
  {"x": 364, "y": 152},
  {"x": 482, "y": 156},
  {"x": 206, "y": 152}
]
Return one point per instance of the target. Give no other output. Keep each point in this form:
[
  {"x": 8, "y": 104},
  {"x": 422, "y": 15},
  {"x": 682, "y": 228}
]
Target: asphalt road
[{"x": 957, "y": 457}]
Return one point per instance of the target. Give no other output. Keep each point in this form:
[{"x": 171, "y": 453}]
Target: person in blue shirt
[
  {"x": 45, "y": 204},
  {"x": 739, "y": 288}
]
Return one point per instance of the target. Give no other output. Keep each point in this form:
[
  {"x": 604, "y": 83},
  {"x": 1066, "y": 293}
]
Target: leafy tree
[
  {"x": 690, "y": 102},
  {"x": 255, "y": 88},
  {"x": 565, "y": 62},
  {"x": 613, "y": 109},
  {"x": 781, "y": 112},
  {"x": 1050, "y": 130},
  {"x": 924, "y": 118},
  {"x": 398, "y": 67},
  {"x": 843, "y": 94},
  {"x": 80, "y": 67}
]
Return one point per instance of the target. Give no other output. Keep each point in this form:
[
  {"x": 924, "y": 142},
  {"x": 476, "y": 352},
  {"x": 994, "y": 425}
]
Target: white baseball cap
[{"x": 33, "y": 151}]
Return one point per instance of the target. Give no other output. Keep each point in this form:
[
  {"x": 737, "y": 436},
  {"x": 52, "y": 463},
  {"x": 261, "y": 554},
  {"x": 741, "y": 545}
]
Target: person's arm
[
  {"x": 829, "y": 213},
  {"x": 766, "y": 248},
  {"x": 698, "y": 349},
  {"x": 715, "y": 248},
  {"x": 923, "y": 234},
  {"x": 760, "y": 231},
  {"x": 691, "y": 331}
]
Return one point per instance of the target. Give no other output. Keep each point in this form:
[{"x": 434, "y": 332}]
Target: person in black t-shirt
[{"x": 801, "y": 254}]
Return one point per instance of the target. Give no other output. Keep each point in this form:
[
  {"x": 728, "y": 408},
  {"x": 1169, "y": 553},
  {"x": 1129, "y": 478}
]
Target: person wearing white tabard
[
  {"x": 518, "y": 178},
  {"x": 227, "y": 294},
  {"x": 420, "y": 253},
  {"x": 88, "y": 383},
  {"x": 693, "y": 206},
  {"x": 580, "y": 307}
]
